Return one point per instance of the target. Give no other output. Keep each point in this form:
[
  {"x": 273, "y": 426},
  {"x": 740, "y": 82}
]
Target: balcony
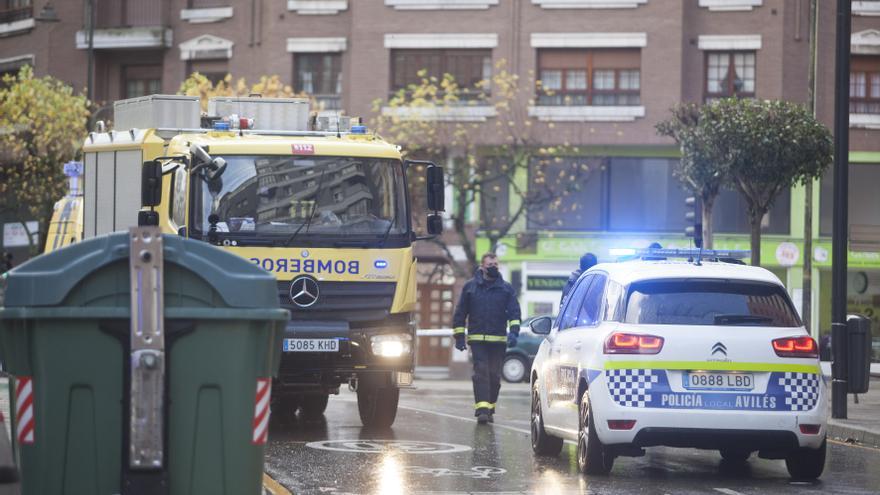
[
  {"x": 128, "y": 24},
  {"x": 16, "y": 20},
  {"x": 206, "y": 11}
]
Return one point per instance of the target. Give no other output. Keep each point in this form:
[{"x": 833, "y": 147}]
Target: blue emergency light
[
  {"x": 358, "y": 129},
  {"x": 221, "y": 126}
]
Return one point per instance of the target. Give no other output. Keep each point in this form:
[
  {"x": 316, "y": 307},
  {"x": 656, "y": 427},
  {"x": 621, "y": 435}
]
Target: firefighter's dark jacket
[{"x": 487, "y": 308}]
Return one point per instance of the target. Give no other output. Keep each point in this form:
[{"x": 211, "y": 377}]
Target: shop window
[
  {"x": 645, "y": 196},
  {"x": 566, "y": 193},
  {"x": 864, "y": 202},
  {"x": 589, "y": 77},
  {"x": 729, "y": 74},
  {"x": 471, "y": 69},
  {"x": 731, "y": 214}
]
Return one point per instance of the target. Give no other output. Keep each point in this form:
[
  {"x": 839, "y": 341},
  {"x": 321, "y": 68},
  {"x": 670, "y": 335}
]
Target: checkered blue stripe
[
  {"x": 801, "y": 390},
  {"x": 630, "y": 388}
]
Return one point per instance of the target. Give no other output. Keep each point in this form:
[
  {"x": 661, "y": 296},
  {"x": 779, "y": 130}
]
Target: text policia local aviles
[{"x": 293, "y": 265}]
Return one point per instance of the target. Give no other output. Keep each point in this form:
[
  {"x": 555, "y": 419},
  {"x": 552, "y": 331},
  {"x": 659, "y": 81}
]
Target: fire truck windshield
[{"x": 335, "y": 196}]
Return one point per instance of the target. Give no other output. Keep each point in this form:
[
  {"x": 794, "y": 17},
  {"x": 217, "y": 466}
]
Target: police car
[{"x": 700, "y": 353}]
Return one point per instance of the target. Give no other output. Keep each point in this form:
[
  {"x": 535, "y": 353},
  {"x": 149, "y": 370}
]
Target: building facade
[{"x": 610, "y": 70}]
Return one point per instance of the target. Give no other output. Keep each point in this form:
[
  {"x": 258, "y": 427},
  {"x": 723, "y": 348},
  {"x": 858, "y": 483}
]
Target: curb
[{"x": 849, "y": 434}]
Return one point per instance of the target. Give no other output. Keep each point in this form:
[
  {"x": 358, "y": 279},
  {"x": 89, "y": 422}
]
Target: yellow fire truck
[{"x": 320, "y": 203}]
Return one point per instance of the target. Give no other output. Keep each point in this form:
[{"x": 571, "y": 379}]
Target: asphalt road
[{"x": 436, "y": 447}]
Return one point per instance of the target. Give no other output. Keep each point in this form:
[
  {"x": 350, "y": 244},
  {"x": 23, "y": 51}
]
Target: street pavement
[{"x": 436, "y": 447}]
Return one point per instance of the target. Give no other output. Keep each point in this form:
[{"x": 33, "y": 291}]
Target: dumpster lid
[{"x": 47, "y": 279}]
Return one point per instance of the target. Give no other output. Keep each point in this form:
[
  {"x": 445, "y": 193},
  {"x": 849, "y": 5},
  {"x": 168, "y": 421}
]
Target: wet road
[{"x": 436, "y": 447}]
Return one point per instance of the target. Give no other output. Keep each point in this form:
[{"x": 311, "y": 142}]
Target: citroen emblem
[
  {"x": 304, "y": 291},
  {"x": 719, "y": 347}
]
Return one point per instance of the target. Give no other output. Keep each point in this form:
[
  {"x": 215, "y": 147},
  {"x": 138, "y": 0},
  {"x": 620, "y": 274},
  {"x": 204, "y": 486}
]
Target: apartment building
[{"x": 610, "y": 69}]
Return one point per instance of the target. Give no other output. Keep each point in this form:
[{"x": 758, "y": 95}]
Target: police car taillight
[
  {"x": 797, "y": 347},
  {"x": 628, "y": 343}
]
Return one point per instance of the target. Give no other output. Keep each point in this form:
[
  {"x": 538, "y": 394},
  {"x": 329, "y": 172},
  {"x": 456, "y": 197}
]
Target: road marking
[
  {"x": 273, "y": 487},
  {"x": 383, "y": 446},
  {"x": 728, "y": 491}
]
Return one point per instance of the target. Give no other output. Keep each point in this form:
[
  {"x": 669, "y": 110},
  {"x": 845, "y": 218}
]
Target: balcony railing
[
  {"x": 128, "y": 13},
  {"x": 16, "y": 14}
]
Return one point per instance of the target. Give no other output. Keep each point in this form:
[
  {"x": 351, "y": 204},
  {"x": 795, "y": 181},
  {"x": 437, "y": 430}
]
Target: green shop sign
[
  {"x": 549, "y": 283},
  {"x": 776, "y": 251}
]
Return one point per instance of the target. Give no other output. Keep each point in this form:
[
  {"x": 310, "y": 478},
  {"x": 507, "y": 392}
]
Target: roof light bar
[{"x": 693, "y": 253}]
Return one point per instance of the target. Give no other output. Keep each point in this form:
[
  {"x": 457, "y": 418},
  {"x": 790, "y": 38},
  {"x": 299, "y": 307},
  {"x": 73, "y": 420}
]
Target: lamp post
[
  {"x": 48, "y": 14},
  {"x": 839, "y": 251}
]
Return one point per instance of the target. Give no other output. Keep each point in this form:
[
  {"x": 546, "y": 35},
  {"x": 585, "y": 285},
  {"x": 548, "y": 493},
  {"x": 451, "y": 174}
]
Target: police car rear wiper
[{"x": 735, "y": 319}]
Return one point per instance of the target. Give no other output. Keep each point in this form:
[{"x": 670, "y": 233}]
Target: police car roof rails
[{"x": 696, "y": 254}]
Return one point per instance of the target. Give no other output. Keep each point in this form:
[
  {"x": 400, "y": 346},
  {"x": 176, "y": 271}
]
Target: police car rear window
[{"x": 709, "y": 302}]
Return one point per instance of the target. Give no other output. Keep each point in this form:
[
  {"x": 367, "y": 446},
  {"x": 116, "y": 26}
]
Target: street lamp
[{"x": 48, "y": 14}]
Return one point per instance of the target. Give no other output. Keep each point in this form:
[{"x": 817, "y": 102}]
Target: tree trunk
[
  {"x": 755, "y": 222},
  {"x": 708, "y": 229}
]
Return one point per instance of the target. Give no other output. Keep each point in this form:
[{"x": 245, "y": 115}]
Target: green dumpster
[{"x": 103, "y": 406}]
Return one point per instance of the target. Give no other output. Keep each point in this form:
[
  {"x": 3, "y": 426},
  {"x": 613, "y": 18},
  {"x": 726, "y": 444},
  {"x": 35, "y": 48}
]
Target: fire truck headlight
[{"x": 391, "y": 345}]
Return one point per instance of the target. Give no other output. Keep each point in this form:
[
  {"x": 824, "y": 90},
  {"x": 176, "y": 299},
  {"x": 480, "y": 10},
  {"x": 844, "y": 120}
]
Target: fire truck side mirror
[
  {"x": 435, "y": 225},
  {"x": 151, "y": 183},
  {"x": 436, "y": 194}
]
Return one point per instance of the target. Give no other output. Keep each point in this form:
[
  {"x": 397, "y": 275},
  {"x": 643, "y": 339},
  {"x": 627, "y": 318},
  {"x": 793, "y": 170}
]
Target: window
[
  {"x": 730, "y": 74},
  {"x": 645, "y": 196},
  {"x": 320, "y": 75},
  {"x": 213, "y": 70},
  {"x": 494, "y": 196},
  {"x": 567, "y": 193},
  {"x": 613, "y": 301},
  {"x": 142, "y": 80},
  {"x": 471, "y": 69},
  {"x": 709, "y": 302},
  {"x": 15, "y": 10},
  {"x": 864, "y": 202},
  {"x": 730, "y": 215},
  {"x": 569, "y": 315},
  {"x": 589, "y": 314},
  {"x": 864, "y": 84},
  {"x": 589, "y": 77}
]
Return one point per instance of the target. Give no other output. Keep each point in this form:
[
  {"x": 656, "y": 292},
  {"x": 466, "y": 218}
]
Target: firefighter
[{"x": 488, "y": 308}]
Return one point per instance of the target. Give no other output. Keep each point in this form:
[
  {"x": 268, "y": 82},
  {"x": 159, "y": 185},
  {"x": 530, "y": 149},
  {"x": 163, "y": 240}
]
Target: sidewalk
[{"x": 862, "y": 425}]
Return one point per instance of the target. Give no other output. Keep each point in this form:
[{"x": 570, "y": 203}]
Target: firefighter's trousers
[{"x": 488, "y": 358}]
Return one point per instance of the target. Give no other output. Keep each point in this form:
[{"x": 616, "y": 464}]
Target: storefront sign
[
  {"x": 546, "y": 282},
  {"x": 15, "y": 235}
]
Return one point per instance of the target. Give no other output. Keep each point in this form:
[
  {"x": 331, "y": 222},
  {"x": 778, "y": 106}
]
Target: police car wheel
[
  {"x": 592, "y": 456},
  {"x": 737, "y": 456},
  {"x": 542, "y": 443},
  {"x": 806, "y": 464},
  {"x": 313, "y": 406},
  {"x": 514, "y": 369}
]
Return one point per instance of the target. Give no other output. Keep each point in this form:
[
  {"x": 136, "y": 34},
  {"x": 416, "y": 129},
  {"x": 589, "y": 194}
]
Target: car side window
[
  {"x": 589, "y": 313},
  {"x": 573, "y": 303},
  {"x": 613, "y": 301}
]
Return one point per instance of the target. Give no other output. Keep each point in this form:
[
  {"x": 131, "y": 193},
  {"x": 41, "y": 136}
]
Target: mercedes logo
[
  {"x": 719, "y": 347},
  {"x": 304, "y": 291}
]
